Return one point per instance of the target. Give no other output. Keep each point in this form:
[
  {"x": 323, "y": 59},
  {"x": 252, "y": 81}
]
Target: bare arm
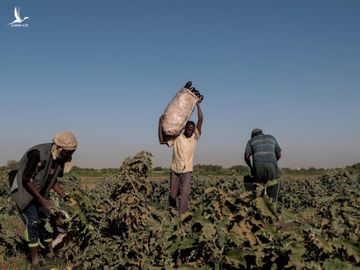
[
  {"x": 248, "y": 161},
  {"x": 29, "y": 173},
  {"x": 200, "y": 117},
  {"x": 278, "y": 155},
  {"x": 59, "y": 190},
  {"x": 277, "y": 151},
  {"x": 31, "y": 188}
]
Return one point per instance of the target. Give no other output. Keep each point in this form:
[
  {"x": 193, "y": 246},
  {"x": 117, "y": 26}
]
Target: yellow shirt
[{"x": 183, "y": 153}]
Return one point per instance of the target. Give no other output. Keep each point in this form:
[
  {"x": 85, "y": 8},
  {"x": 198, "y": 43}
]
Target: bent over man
[
  {"x": 182, "y": 159},
  {"x": 36, "y": 175},
  {"x": 265, "y": 153}
]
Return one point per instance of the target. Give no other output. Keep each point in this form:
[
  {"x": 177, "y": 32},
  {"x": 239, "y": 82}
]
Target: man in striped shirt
[{"x": 265, "y": 153}]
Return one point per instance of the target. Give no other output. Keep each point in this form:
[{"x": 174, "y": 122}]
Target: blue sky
[{"x": 106, "y": 70}]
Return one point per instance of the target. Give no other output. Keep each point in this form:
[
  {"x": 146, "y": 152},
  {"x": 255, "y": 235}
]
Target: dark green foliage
[
  {"x": 227, "y": 228},
  {"x": 8, "y": 242},
  {"x": 125, "y": 223},
  {"x": 7, "y": 205}
]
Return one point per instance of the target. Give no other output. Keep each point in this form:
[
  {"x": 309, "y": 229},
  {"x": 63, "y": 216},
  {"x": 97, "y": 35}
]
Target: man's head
[
  {"x": 65, "y": 145},
  {"x": 256, "y": 132},
  {"x": 189, "y": 129}
]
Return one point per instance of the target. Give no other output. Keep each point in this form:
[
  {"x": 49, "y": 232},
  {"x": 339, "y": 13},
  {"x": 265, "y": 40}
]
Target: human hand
[
  {"x": 188, "y": 85},
  {"x": 45, "y": 203}
]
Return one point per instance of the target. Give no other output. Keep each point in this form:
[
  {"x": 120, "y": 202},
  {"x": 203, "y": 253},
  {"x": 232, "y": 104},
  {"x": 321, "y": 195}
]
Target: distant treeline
[
  {"x": 77, "y": 171},
  {"x": 199, "y": 169},
  {"x": 244, "y": 170},
  {"x": 355, "y": 168},
  {"x": 161, "y": 171}
]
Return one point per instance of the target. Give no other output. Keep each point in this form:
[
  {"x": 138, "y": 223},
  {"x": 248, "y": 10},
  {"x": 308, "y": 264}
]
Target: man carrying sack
[
  {"x": 36, "y": 175},
  {"x": 182, "y": 159}
]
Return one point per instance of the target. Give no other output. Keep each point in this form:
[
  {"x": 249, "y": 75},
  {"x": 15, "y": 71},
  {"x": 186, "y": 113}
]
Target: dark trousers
[
  {"x": 273, "y": 191},
  {"x": 263, "y": 173},
  {"x": 180, "y": 184},
  {"x": 35, "y": 217}
]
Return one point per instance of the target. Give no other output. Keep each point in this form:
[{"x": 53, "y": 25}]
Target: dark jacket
[{"x": 41, "y": 178}]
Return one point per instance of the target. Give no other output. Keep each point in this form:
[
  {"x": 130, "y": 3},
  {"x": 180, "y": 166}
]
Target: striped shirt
[{"x": 263, "y": 148}]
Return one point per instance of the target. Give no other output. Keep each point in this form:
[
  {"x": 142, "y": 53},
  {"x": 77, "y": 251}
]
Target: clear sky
[{"x": 107, "y": 69}]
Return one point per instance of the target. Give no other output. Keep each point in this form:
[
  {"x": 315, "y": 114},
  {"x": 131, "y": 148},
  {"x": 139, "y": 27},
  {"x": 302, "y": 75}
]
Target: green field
[{"x": 122, "y": 221}]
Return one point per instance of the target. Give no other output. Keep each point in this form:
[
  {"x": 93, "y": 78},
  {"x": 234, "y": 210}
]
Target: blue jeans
[{"x": 35, "y": 217}]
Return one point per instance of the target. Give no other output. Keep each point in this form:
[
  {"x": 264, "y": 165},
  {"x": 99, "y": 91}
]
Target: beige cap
[{"x": 65, "y": 140}]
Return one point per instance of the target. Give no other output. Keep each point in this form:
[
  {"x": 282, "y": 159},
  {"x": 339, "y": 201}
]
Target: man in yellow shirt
[{"x": 182, "y": 159}]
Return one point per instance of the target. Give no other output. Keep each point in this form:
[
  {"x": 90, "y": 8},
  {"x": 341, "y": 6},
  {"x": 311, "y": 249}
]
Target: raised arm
[{"x": 200, "y": 117}]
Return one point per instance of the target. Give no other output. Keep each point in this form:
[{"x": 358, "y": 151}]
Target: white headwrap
[{"x": 63, "y": 140}]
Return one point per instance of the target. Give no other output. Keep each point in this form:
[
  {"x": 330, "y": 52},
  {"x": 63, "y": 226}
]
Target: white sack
[{"x": 178, "y": 112}]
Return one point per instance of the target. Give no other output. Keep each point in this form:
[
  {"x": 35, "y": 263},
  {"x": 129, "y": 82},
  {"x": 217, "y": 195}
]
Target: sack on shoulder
[{"x": 178, "y": 112}]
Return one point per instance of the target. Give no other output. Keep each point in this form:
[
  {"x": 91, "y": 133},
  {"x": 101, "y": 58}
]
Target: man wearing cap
[
  {"x": 36, "y": 174},
  {"x": 265, "y": 153}
]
